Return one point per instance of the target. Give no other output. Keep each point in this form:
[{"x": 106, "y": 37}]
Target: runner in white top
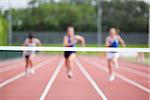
[
  {"x": 31, "y": 41},
  {"x": 113, "y": 41}
]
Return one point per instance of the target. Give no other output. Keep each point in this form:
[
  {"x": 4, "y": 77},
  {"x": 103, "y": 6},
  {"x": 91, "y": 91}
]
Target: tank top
[
  {"x": 69, "y": 41},
  {"x": 114, "y": 42}
]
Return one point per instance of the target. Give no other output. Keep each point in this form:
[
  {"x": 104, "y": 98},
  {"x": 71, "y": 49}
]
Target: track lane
[
  {"x": 16, "y": 65},
  {"x": 10, "y": 73},
  {"x": 10, "y": 62},
  {"x": 145, "y": 69},
  {"x": 30, "y": 88},
  {"x": 77, "y": 88},
  {"x": 135, "y": 77},
  {"x": 114, "y": 90}
]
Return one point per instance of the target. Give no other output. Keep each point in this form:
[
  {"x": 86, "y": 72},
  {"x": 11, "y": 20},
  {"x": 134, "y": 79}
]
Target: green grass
[
  {"x": 90, "y": 45},
  {"x": 137, "y": 46}
]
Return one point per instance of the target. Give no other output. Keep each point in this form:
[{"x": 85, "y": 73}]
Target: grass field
[{"x": 90, "y": 45}]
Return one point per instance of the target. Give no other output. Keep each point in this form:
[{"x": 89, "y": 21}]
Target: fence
[{"x": 91, "y": 38}]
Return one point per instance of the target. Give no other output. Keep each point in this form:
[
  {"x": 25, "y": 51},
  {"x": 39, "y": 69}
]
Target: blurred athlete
[
  {"x": 31, "y": 41},
  {"x": 70, "y": 40},
  {"x": 113, "y": 41},
  {"x": 140, "y": 57}
]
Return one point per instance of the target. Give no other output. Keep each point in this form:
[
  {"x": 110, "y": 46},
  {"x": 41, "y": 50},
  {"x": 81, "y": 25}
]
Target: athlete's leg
[
  {"x": 31, "y": 65},
  {"x": 27, "y": 65},
  {"x": 71, "y": 59},
  {"x": 110, "y": 66},
  {"x": 70, "y": 64},
  {"x": 140, "y": 57},
  {"x": 67, "y": 63},
  {"x": 111, "y": 74},
  {"x": 27, "y": 62},
  {"x": 115, "y": 57},
  {"x": 115, "y": 62},
  {"x": 109, "y": 62},
  {"x": 30, "y": 62}
]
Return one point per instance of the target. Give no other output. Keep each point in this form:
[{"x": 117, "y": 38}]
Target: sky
[
  {"x": 23, "y": 3},
  {"x": 147, "y": 1},
  {"x": 14, "y": 3}
]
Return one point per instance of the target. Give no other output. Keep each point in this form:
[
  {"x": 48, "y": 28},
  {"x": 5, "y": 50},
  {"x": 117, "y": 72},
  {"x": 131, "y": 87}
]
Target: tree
[{"x": 128, "y": 15}]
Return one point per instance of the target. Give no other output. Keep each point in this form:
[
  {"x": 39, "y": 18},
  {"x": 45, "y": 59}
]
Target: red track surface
[{"x": 79, "y": 87}]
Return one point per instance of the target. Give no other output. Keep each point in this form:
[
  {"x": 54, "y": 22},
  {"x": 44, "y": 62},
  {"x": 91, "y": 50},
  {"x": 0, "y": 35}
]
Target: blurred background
[{"x": 48, "y": 20}]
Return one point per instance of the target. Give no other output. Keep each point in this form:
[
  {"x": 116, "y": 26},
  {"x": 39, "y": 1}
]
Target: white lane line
[
  {"x": 131, "y": 66},
  {"x": 122, "y": 77},
  {"x": 22, "y": 74},
  {"x": 3, "y": 69},
  {"x": 9, "y": 68},
  {"x": 135, "y": 72},
  {"x": 128, "y": 69},
  {"x": 90, "y": 79},
  {"x": 52, "y": 79},
  {"x": 144, "y": 68}
]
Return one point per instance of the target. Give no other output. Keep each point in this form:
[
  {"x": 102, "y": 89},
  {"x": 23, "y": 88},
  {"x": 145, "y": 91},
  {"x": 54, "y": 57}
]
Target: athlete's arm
[
  {"x": 25, "y": 42},
  {"x": 66, "y": 41},
  {"x": 107, "y": 42},
  {"x": 121, "y": 41},
  {"x": 80, "y": 39},
  {"x": 38, "y": 42}
]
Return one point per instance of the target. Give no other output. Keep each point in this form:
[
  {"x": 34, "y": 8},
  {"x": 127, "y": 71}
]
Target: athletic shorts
[
  {"x": 68, "y": 53},
  {"x": 28, "y": 54},
  {"x": 112, "y": 55}
]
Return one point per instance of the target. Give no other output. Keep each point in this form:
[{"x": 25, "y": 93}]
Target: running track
[{"x": 90, "y": 80}]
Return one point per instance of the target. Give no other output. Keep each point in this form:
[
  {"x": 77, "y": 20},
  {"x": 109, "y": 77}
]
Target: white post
[
  {"x": 99, "y": 23},
  {"x": 10, "y": 24}
]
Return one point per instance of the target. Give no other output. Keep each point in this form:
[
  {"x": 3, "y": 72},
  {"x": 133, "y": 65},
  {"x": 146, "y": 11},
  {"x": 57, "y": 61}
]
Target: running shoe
[{"x": 111, "y": 77}]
